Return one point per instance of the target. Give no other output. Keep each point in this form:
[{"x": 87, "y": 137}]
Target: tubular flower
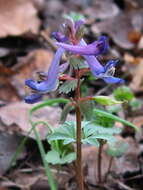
[
  {"x": 47, "y": 85},
  {"x": 95, "y": 48},
  {"x": 78, "y": 24},
  {"x": 59, "y": 37},
  {"x": 104, "y": 72},
  {"x": 73, "y": 26}
]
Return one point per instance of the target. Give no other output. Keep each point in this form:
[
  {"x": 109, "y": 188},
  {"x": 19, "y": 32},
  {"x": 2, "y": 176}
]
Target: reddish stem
[
  {"x": 109, "y": 168},
  {"x": 78, "y": 137}
]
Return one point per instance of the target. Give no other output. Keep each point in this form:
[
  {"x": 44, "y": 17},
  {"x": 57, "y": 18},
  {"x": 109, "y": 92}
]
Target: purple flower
[
  {"x": 47, "y": 85},
  {"x": 73, "y": 26},
  {"x": 95, "y": 48},
  {"x": 78, "y": 24},
  {"x": 59, "y": 36},
  {"x": 33, "y": 98},
  {"x": 104, "y": 72}
]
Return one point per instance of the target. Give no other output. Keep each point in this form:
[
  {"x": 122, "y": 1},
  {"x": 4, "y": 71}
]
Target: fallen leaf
[
  {"x": 120, "y": 28},
  {"x": 18, "y": 114},
  {"x": 8, "y": 144},
  {"x": 15, "y": 19},
  {"x": 101, "y": 9},
  {"x": 137, "y": 82},
  {"x": 129, "y": 162},
  {"x": 8, "y": 92}
]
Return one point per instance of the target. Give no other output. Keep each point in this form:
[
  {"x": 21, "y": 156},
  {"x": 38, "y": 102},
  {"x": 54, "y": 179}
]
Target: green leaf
[
  {"x": 51, "y": 180},
  {"x": 109, "y": 138},
  {"x": 106, "y": 100},
  {"x": 91, "y": 141},
  {"x": 92, "y": 133},
  {"x": 123, "y": 93},
  {"x": 69, "y": 158},
  {"x": 68, "y": 86},
  {"x": 101, "y": 120},
  {"x": 58, "y": 136},
  {"x": 117, "y": 149},
  {"x": 91, "y": 128},
  {"x": 114, "y": 118},
  {"x": 75, "y": 16},
  {"x": 66, "y": 132},
  {"x": 54, "y": 157}
]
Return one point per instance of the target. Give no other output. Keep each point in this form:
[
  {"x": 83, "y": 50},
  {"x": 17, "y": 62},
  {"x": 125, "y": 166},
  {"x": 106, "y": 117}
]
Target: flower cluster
[{"x": 72, "y": 41}]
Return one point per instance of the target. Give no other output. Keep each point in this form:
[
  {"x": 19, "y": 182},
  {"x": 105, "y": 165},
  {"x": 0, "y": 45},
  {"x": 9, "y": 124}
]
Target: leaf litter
[{"x": 122, "y": 22}]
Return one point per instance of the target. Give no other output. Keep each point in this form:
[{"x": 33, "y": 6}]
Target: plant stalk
[
  {"x": 109, "y": 168},
  {"x": 79, "y": 171},
  {"x": 99, "y": 162},
  {"x": 43, "y": 154}
]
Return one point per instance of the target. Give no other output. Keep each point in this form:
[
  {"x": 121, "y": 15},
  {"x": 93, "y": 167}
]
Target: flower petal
[
  {"x": 102, "y": 72},
  {"x": 33, "y": 98},
  {"x": 51, "y": 82},
  {"x": 111, "y": 63},
  {"x": 78, "y": 24},
  {"x": 59, "y": 36},
  {"x": 96, "y": 48},
  {"x": 113, "y": 80},
  {"x": 93, "y": 63}
]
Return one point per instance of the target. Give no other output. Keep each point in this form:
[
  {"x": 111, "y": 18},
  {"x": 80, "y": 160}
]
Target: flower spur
[{"x": 47, "y": 85}]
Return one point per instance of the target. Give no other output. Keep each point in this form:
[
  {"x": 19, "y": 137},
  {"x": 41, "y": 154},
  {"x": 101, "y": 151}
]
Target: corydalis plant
[{"x": 71, "y": 41}]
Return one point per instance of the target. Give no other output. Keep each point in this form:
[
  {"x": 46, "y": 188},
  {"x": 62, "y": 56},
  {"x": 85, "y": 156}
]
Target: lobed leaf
[{"x": 68, "y": 86}]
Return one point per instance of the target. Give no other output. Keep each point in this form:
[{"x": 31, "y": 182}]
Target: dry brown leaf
[
  {"x": 17, "y": 114},
  {"x": 101, "y": 9},
  {"x": 137, "y": 82},
  {"x": 8, "y": 144},
  {"x": 129, "y": 162},
  {"x": 18, "y": 17},
  {"x": 90, "y": 159},
  {"x": 122, "y": 27}
]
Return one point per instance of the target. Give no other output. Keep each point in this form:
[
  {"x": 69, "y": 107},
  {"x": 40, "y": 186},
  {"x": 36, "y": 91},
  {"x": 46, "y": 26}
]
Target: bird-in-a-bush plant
[{"x": 91, "y": 126}]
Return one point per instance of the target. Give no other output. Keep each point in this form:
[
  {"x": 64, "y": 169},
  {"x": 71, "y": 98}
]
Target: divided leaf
[
  {"x": 54, "y": 157},
  {"x": 68, "y": 86},
  {"x": 92, "y": 133},
  {"x": 66, "y": 132}
]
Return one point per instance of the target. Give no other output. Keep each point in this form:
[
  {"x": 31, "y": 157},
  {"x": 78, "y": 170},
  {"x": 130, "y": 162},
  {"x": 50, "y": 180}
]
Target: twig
[
  {"x": 123, "y": 185},
  {"x": 135, "y": 177}
]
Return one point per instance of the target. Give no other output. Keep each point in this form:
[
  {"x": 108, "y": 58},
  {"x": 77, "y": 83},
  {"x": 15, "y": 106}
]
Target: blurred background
[{"x": 26, "y": 47}]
